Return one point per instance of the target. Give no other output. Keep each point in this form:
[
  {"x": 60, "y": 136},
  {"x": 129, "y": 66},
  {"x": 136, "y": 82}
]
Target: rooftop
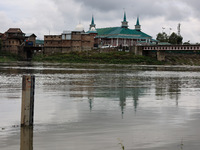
[
  {"x": 30, "y": 34},
  {"x": 14, "y": 30},
  {"x": 119, "y": 32}
]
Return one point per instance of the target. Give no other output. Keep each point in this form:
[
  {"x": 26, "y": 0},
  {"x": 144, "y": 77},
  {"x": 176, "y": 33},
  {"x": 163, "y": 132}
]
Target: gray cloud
[{"x": 58, "y": 15}]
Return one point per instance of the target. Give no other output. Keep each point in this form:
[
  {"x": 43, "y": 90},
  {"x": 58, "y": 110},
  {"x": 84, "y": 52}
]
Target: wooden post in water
[
  {"x": 26, "y": 140},
  {"x": 27, "y": 108}
]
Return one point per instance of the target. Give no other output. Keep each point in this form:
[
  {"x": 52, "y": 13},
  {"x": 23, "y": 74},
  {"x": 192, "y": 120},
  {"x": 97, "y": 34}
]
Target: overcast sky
[{"x": 53, "y": 16}]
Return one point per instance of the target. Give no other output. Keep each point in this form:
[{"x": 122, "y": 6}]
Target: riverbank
[
  {"x": 106, "y": 58},
  {"x": 8, "y": 57},
  {"x": 103, "y": 58},
  {"x": 192, "y": 60}
]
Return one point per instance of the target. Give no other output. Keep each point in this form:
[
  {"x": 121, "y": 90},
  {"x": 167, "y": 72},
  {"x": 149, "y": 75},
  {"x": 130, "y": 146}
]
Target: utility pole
[{"x": 179, "y": 29}]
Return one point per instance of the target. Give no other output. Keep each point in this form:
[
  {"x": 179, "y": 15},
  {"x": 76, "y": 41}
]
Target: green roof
[
  {"x": 164, "y": 43},
  {"x": 39, "y": 41},
  {"x": 154, "y": 40},
  {"x": 119, "y": 32}
]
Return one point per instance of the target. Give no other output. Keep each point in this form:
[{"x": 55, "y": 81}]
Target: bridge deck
[
  {"x": 172, "y": 48},
  {"x": 33, "y": 48}
]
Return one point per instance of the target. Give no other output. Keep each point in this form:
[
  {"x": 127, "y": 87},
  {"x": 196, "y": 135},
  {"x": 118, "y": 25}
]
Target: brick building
[
  {"x": 76, "y": 40},
  {"x": 30, "y": 39},
  {"x": 12, "y": 40}
]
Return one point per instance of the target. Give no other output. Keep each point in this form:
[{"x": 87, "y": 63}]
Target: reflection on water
[
  {"x": 26, "y": 140},
  {"x": 92, "y": 106}
]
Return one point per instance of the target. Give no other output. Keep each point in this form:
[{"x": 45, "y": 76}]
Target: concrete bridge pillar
[
  {"x": 138, "y": 50},
  {"x": 161, "y": 55}
]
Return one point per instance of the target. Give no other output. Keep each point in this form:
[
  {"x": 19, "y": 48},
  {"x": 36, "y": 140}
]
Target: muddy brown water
[{"x": 95, "y": 107}]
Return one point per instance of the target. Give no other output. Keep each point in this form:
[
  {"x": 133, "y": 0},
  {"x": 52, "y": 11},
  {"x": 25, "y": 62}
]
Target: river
[{"x": 95, "y": 107}]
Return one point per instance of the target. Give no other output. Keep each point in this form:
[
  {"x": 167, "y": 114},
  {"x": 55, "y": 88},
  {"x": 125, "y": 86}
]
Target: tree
[
  {"x": 175, "y": 39},
  {"x": 187, "y": 43},
  {"x": 162, "y": 37}
]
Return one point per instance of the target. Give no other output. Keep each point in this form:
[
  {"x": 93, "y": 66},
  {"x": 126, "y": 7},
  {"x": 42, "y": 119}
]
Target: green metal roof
[
  {"x": 39, "y": 41},
  {"x": 154, "y": 40},
  {"x": 164, "y": 43},
  {"x": 90, "y": 31},
  {"x": 119, "y": 32}
]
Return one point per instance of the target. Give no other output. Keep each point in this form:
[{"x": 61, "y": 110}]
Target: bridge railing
[{"x": 172, "y": 47}]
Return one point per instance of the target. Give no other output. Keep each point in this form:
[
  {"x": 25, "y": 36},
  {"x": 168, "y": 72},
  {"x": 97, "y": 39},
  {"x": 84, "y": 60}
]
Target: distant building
[
  {"x": 68, "y": 41},
  {"x": 39, "y": 43},
  {"x": 1, "y": 35},
  {"x": 16, "y": 42},
  {"x": 30, "y": 39},
  {"x": 12, "y": 40},
  {"x": 121, "y": 36}
]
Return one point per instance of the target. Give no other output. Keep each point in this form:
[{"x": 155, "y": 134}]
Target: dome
[
  {"x": 79, "y": 27},
  {"x": 66, "y": 32},
  {"x": 93, "y": 29}
]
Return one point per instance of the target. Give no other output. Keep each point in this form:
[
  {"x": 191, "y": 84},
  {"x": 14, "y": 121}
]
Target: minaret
[
  {"x": 124, "y": 22},
  {"x": 92, "y": 23},
  {"x": 138, "y": 26}
]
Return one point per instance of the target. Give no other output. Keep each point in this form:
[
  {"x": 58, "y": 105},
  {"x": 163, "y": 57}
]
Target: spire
[
  {"x": 124, "y": 16},
  {"x": 138, "y": 22},
  {"x": 124, "y": 22},
  {"x": 138, "y": 26},
  {"x": 92, "y": 23}
]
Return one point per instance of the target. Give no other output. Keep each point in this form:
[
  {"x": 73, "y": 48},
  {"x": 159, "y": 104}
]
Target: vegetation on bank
[
  {"x": 193, "y": 60},
  {"x": 8, "y": 57},
  {"x": 103, "y": 58}
]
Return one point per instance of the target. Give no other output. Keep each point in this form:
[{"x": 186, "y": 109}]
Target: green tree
[
  {"x": 175, "y": 39},
  {"x": 187, "y": 43},
  {"x": 162, "y": 37}
]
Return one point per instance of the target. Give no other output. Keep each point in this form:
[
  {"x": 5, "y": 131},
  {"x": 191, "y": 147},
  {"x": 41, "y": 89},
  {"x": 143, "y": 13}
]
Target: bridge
[
  {"x": 172, "y": 48},
  {"x": 29, "y": 51},
  {"x": 160, "y": 51}
]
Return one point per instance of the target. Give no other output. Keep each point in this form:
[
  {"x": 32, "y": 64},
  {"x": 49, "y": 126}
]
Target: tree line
[{"x": 172, "y": 39}]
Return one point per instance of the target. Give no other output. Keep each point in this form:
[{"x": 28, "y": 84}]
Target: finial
[
  {"x": 138, "y": 22},
  {"x": 124, "y": 22},
  {"x": 124, "y": 15}
]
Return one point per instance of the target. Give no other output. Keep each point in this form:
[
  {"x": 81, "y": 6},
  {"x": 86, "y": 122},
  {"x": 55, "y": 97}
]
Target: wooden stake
[
  {"x": 26, "y": 140},
  {"x": 27, "y": 109}
]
